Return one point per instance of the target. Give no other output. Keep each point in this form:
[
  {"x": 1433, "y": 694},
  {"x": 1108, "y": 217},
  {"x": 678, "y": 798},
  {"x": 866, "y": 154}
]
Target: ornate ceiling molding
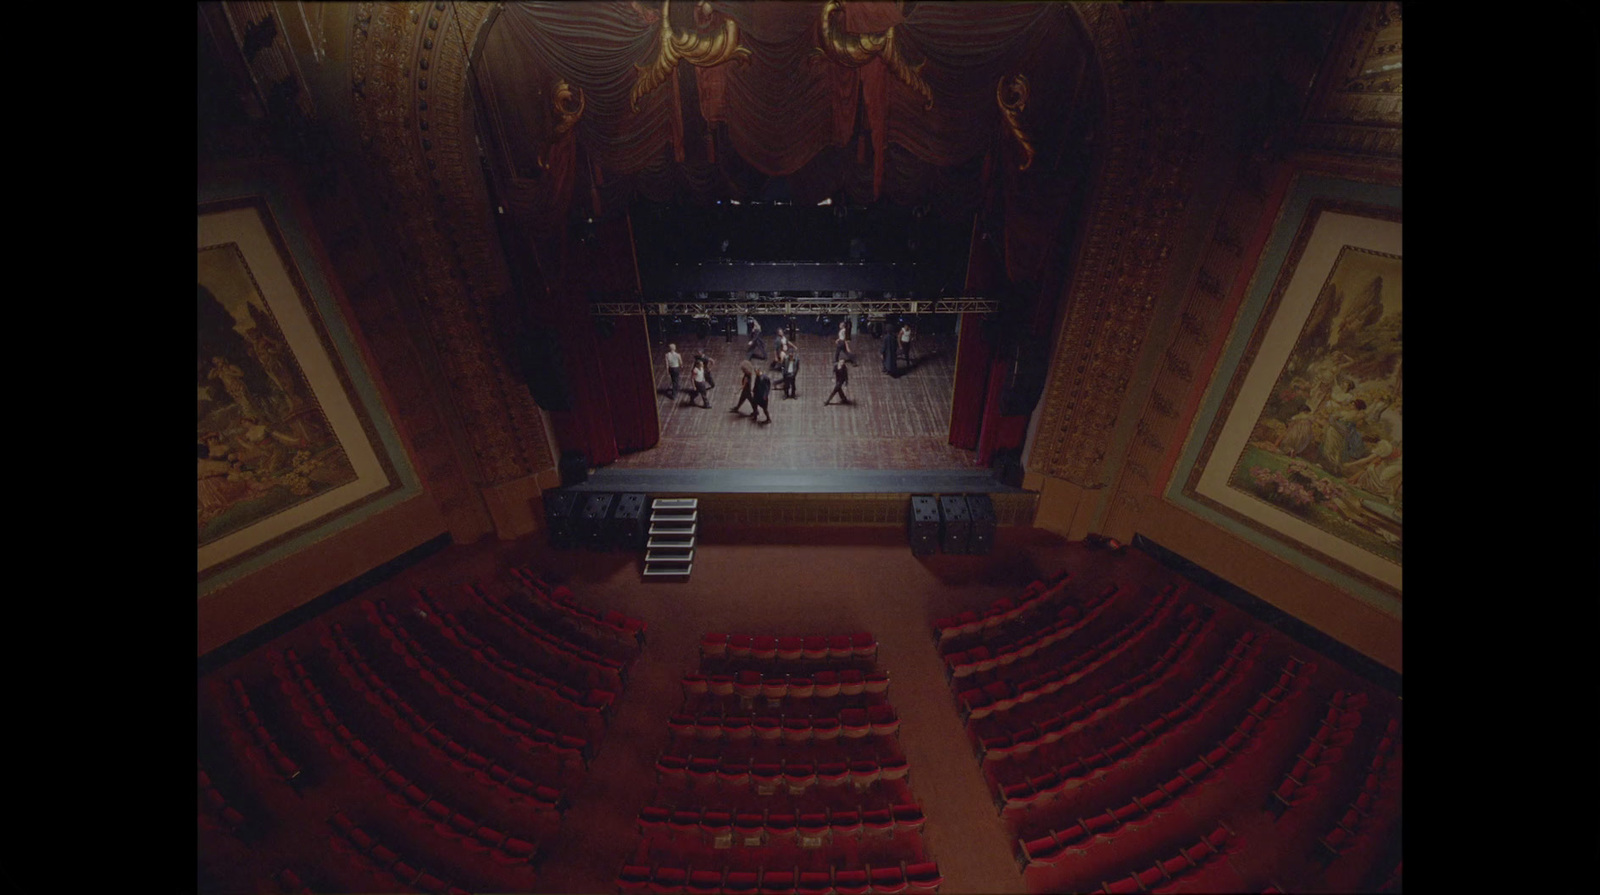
[
  {"x": 414, "y": 118},
  {"x": 1011, "y": 110},
  {"x": 853, "y": 50},
  {"x": 1154, "y": 127},
  {"x": 703, "y": 50},
  {"x": 1357, "y": 109}
]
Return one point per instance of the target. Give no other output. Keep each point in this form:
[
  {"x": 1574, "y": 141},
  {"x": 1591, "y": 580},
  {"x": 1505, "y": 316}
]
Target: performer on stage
[
  {"x": 890, "y": 339},
  {"x": 905, "y": 345},
  {"x": 698, "y": 377},
  {"x": 841, "y": 378},
  {"x": 760, "y": 392},
  {"x": 747, "y": 374},
  {"x": 674, "y": 363},
  {"x": 791, "y": 369},
  {"x": 841, "y": 346}
]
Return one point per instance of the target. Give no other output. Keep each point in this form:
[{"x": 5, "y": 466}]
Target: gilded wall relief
[{"x": 408, "y": 77}]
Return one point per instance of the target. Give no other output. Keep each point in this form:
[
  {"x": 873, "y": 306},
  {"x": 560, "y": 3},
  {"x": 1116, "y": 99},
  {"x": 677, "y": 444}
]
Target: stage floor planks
[{"x": 894, "y": 423}]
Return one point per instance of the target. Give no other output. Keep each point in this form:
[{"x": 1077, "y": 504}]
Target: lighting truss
[{"x": 872, "y": 307}]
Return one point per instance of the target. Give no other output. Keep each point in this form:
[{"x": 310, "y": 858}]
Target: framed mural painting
[
  {"x": 287, "y": 445},
  {"x": 1299, "y": 445}
]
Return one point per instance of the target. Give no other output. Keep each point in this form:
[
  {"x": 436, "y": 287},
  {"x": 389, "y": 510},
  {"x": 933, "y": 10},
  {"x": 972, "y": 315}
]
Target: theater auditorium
[{"x": 799, "y": 447}]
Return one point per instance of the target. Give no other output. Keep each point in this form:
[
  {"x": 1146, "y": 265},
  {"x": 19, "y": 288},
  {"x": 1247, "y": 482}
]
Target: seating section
[
  {"x": 1128, "y": 723},
  {"x": 784, "y": 773},
  {"x": 1137, "y": 733},
  {"x": 435, "y": 738},
  {"x": 556, "y": 603}
]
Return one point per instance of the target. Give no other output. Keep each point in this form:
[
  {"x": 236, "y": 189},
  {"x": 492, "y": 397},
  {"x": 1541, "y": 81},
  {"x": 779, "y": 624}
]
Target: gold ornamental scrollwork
[
  {"x": 704, "y": 50},
  {"x": 854, "y": 50},
  {"x": 568, "y": 104},
  {"x": 1012, "y": 103}
]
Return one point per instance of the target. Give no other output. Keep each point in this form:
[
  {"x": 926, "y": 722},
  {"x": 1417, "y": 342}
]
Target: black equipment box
[
  {"x": 923, "y": 526},
  {"x": 593, "y": 527},
  {"x": 629, "y": 525},
  {"x": 560, "y": 512},
  {"x": 956, "y": 526},
  {"x": 980, "y": 513}
]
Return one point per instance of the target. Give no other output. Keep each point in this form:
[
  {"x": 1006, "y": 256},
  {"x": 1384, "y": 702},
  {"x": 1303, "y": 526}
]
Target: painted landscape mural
[
  {"x": 263, "y": 443},
  {"x": 1327, "y": 447}
]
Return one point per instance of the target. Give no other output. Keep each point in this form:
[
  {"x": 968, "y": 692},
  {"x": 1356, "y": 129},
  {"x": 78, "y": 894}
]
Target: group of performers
[{"x": 755, "y": 386}]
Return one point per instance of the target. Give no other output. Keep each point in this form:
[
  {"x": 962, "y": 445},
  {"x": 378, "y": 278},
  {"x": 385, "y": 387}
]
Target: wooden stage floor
[{"x": 894, "y": 423}]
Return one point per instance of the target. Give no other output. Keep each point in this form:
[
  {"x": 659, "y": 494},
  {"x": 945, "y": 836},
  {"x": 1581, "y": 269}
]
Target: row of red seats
[
  {"x": 378, "y": 856},
  {"x": 723, "y": 828},
  {"x": 1026, "y": 794},
  {"x": 231, "y": 818},
  {"x": 1083, "y": 835},
  {"x": 1068, "y": 621},
  {"x": 1185, "y": 866},
  {"x": 767, "y": 777},
  {"x": 591, "y": 706},
  {"x": 429, "y": 737},
  {"x": 573, "y": 751},
  {"x": 814, "y": 647},
  {"x": 421, "y": 808},
  {"x": 874, "y": 720},
  {"x": 614, "y": 626},
  {"x": 749, "y": 684},
  {"x": 1239, "y": 661},
  {"x": 287, "y": 767},
  {"x": 290, "y": 882},
  {"x": 562, "y": 657},
  {"x": 1037, "y": 595},
  {"x": 1356, "y": 825},
  {"x": 922, "y": 876},
  {"x": 1004, "y": 695},
  {"x": 1315, "y": 764},
  {"x": 1001, "y": 735}
]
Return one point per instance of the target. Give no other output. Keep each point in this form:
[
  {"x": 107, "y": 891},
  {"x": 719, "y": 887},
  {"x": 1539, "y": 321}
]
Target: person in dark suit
[
  {"x": 841, "y": 378},
  {"x": 889, "y": 351},
  {"x": 791, "y": 369},
  {"x": 760, "y": 392}
]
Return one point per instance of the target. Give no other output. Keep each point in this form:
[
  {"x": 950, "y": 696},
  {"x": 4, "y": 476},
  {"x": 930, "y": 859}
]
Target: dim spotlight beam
[{"x": 868, "y": 306}]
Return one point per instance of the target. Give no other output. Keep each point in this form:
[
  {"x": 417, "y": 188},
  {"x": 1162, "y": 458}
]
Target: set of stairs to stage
[{"x": 673, "y": 523}]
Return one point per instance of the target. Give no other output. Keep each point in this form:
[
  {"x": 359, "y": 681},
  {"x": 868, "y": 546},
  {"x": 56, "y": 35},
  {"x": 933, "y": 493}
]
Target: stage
[{"x": 895, "y": 423}]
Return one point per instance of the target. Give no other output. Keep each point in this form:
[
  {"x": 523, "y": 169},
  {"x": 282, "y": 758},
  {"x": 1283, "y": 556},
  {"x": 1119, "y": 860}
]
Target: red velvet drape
[
  {"x": 972, "y": 383},
  {"x": 629, "y": 377},
  {"x": 588, "y": 425}
]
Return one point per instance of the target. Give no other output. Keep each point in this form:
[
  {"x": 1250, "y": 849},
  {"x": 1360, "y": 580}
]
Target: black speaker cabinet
[
  {"x": 980, "y": 513},
  {"x": 593, "y": 520},
  {"x": 923, "y": 526},
  {"x": 629, "y": 525},
  {"x": 574, "y": 468},
  {"x": 560, "y": 510},
  {"x": 956, "y": 524}
]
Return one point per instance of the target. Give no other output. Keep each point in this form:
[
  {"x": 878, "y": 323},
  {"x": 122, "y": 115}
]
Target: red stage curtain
[
  {"x": 588, "y": 426},
  {"x": 972, "y": 383},
  {"x": 629, "y": 377}
]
